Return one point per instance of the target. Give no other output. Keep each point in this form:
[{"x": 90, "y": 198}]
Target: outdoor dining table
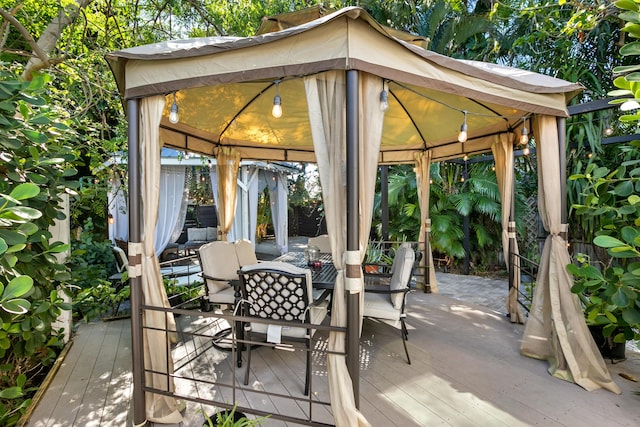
[{"x": 323, "y": 277}]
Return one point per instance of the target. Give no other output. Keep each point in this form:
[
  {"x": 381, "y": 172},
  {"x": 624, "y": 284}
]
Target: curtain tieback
[
  {"x": 135, "y": 259},
  {"x": 563, "y": 233},
  {"x": 353, "y": 277}
]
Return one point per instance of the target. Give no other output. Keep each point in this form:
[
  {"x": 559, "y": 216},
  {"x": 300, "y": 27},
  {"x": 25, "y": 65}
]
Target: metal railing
[{"x": 528, "y": 273}]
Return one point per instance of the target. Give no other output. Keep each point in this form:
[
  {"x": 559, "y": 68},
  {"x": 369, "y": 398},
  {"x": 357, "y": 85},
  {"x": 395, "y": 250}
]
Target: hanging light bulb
[
  {"x": 384, "y": 99},
  {"x": 462, "y": 136},
  {"x": 173, "y": 114},
  {"x": 276, "y": 111},
  {"x": 525, "y": 151},
  {"x": 524, "y": 135},
  {"x": 110, "y": 219},
  {"x": 465, "y": 158},
  {"x": 608, "y": 130}
]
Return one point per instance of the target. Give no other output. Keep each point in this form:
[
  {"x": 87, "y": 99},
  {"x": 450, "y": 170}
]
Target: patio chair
[
  {"x": 387, "y": 302},
  {"x": 322, "y": 242},
  {"x": 220, "y": 266},
  {"x": 280, "y": 292},
  {"x": 245, "y": 252}
]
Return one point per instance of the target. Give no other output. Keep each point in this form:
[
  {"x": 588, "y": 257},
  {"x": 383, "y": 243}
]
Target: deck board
[{"x": 466, "y": 370}]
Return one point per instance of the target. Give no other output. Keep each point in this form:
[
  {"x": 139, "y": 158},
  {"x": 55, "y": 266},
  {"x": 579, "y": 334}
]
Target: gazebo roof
[{"x": 225, "y": 86}]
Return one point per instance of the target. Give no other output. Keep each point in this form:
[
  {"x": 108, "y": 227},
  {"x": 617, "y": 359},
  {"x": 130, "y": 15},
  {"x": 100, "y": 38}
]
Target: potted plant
[
  {"x": 230, "y": 418},
  {"x": 610, "y": 288}
]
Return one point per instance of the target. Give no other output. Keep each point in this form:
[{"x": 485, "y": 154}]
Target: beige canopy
[
  {"x": 225, "y": 89},
  {"x": 331, "y": 75}
]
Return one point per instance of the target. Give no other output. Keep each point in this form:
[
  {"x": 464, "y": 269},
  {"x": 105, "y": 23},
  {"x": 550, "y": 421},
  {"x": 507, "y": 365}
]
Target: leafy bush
[
  {"x": 35, "y": 166},
  {"x": 611, "y": 294}
]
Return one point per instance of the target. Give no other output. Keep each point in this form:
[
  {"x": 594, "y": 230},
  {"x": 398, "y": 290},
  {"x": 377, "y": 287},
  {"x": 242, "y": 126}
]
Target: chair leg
[
  {"x": 247, "y": 335},
  {"x": 307, "y": 378},
  {"x": 405, "y": 334}
]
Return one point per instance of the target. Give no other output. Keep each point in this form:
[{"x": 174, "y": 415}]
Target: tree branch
[{"x": 42, "y": 55}]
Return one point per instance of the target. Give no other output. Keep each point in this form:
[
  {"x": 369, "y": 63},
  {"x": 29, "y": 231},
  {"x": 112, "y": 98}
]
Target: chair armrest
[
  {"x": 385, "y": 290},
  {"x": 317, "y": 302}
]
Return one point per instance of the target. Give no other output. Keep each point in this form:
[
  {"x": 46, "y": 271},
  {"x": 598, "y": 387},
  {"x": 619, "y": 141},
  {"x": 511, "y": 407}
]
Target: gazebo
[
  {"x": 253, "y": 177},
  {"x": 349, "y": 94}
]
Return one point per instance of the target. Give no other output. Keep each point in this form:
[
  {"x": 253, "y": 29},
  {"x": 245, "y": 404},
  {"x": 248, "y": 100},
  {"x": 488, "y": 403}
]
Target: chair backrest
[
  {"x": 402, "y": 273},
  {"x": 245, "y": 252},
  {"x": 218, "y": 259},
  {"x": 276, "y": 290},
  {"x": 322, "y": 242},
  {"x": 122, "y": 262}
]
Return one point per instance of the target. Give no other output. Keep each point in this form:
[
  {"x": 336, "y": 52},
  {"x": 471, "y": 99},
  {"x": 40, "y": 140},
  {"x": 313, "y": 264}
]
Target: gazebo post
[
  {"x": 353, "y": 233},
  {"x": 135, "y": 281},
  {"x": 562, "y": 156}
]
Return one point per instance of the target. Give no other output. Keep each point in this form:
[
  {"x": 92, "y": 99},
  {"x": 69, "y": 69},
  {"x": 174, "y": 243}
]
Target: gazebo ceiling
[{"x": 225, "y": 87}]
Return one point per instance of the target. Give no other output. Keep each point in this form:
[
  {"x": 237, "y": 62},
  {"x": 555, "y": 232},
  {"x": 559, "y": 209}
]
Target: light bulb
[
  {"x": 524, "y": 136},
  {"x": 525, "y": 151},
  {"x": 608, "y": 130},
  {"x": 276, "y": 111},
  {"x": 465, "y": 158},
  {"x": 173, "y": 114},
  {"x": 384, "y": 101},
  {"x": 110, "y": 219},
  {"x": 462, "y": 136}
]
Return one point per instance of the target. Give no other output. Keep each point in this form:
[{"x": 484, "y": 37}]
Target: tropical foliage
[
  {"x": 610, "y": 288},
  {"x": 37, "y": 162}
]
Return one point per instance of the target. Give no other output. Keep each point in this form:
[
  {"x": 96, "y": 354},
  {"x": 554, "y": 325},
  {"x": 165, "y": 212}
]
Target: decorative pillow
[
  {"x": 197, "y": 234},
  {"x": 212, "y": 234}
]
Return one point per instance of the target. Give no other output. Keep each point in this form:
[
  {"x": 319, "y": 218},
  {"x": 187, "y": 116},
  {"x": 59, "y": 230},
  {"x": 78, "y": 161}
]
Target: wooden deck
[{"x": 466, "y": 371}]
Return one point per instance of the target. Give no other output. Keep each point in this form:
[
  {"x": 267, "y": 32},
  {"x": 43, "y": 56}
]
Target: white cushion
[
  {"x": 322, "y": 242},
  {"x": 197, "y": 234},
  {"x": 212, "y": 234},
  {"x": 378, "y": 305},
  {"x": 226, "y": 295},
  {"x": 245, "y": 252},
  {"x": 218, "y": 259},
  {"x": 402, "y": 274}
]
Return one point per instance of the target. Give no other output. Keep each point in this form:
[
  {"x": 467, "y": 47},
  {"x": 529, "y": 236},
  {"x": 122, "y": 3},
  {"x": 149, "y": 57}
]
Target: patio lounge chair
[
  {"x": 245, "y": 252},
  {"x": 219, "y": 264},
  {"x": 280, "y": 292},
  {"x": 387, "y": 301}
]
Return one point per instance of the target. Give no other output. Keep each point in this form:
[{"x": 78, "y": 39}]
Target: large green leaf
[
  {"x": 11, "y": 393},
  {"x": 619, "y": 298},
  {"x": 607, "y": 242},
  {"x": 18, "y": 287},
  {"x": 25, "y": 191},
  {"x": 16, "y": 306}
]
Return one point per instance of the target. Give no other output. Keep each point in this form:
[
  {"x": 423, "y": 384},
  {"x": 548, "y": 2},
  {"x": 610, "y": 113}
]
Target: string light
[
  {"x": 524, "y": 135},
  {"x": 173, "y": 114},
  {"x": 276, "y": 111},
  {"x": 525, "y": 151},
  {"x": 608, "y": 130},
  {"x": 110, "y": 219},
  {"x": 462, "y": 136},
  {"x": 465, "y": 158},
  {"x": 384, "y": 99}
]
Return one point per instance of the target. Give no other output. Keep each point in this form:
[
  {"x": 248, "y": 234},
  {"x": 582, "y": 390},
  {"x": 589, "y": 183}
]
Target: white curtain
[
  {"x": 278, "y": 202},
  {"x": 423, "y": 170},
  {"x": 326, "y": 103},
  {"x": 171, "y": 195},
  {"x": 156, "y": 343},
  {"x": 117, "y": 202},
  {"x": 253, "y": 192},
  {"x": 502, "y": 150},
  {"x": 556, "y": 330},
  {"x": 227, "y": 164}
]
